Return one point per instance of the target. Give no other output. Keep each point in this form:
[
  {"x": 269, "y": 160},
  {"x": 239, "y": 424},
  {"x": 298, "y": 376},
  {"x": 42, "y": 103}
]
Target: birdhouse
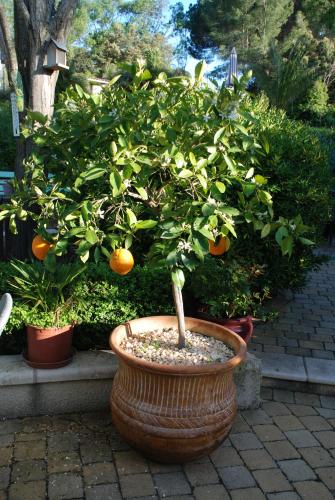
[{"x": 55, "y": 58}]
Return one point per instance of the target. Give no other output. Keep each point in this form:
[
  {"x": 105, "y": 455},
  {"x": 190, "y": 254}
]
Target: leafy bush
[
  {"x": 226, "y": 288},
  {"x": 7, "y": 142},
  {"x": 100, "y": 301},
  {"x": 47, "y": 294},
  {"x": 317, "y": 100},
  {"x": 297, "y": 167}
]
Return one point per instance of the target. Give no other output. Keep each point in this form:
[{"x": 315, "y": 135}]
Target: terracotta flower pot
[
  {"x": 174, "y": 413},
  {"x": 244, "y": 326},
  {"x": 49, "y": 347}
]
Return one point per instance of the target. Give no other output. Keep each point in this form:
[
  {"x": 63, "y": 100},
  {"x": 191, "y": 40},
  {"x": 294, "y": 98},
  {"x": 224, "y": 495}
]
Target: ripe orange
[
  {"x": 40, "y": 247},
  {"x": 221, "y": 248},
  {"x": 121, "y": 261}
]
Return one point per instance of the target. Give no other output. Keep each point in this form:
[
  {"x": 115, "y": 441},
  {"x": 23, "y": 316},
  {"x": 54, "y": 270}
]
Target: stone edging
[
  {"x": 85, "y": 385},
  {"x": 297, "y": 368}
]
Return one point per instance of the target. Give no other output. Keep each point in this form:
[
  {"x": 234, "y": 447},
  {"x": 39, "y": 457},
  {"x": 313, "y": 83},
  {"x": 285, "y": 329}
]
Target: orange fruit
[
  {"x": 121, "y": 261},
  {"x": 221, "y": 248},
  {"x": 40, "y": 247}
]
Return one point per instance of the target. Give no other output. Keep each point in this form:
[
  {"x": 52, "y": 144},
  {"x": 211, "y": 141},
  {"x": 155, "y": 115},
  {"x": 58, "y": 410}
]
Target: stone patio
[
  {"x": 283, "y": 451},
  {"x": 306, "y": 323}
]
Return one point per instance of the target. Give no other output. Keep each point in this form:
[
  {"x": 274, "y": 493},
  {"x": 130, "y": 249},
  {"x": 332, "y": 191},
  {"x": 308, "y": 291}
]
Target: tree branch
[
  {"x": 63, "y": 17},
  {"x": 8, "y": 45},
  {"x": 22, "y": 9}
]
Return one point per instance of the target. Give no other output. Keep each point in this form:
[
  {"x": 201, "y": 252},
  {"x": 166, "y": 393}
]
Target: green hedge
[
  {"x": 7, "y": 142},
  {"x": 104, "y": 301}
]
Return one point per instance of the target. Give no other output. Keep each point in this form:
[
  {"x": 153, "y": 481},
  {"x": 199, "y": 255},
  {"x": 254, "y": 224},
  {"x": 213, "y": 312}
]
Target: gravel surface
[{"x": 160, "y": 346}]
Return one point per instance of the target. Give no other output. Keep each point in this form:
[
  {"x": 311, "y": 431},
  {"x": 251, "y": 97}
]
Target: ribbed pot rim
[
  {"x": 237, "y": 344},
  {"x": 50, "y": 328}
]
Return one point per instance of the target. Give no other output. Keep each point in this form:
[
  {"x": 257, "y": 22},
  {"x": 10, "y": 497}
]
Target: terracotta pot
[
  {"x": 244, "y": 326},
  {"x": 174, "y": 413},
  {"x": 49, "y": 347}
]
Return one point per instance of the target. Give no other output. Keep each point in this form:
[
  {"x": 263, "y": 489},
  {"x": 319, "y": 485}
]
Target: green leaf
[
  {"x": 93, "y": 173},
  {"x": 306, "y": 241},
  {"x": 208, "y": 209},
  {"x": 50, "y": 262},
  {"x": 146, "y": 224},
  {"x": 142, "y": 192},
  {"x": 231, "y": 228},
  {"x": 218, "y": 135},
  {"x": 116, "y": 182},
  {"x": 202, "y": 181},
  {"x": 229, "y": 163},
  {"x": 265, "y": 197},
  {"x": 91, "y": 236},
  {"x": 192, "y": 159},
  {"x": 105, "y": 252},
  {"x": 114, "y": 79},
  {"x": 280, "y": 234},
  {"x": 96, "y": 255},
  {"x": 113, "y": 148},
  {"x": 199, "y": 70},
  {"x": 79, "y": 90},
  {"x": 205, "y": 232},
  {"x": 145, "y": 75},
  {"x": 266, "y": 146},
  {"x": 287, "y": 245},
  {"x": 36, "y": 116},
  {"x": 12, "y": 224},
  {"x": 131, "y": 217},
  {"x": 220, "y": 186},
  {"x": 189, "y": 262},
  {"x": 84, "y": 258},
  {"x": 250, "y": 173},
  {"x": 266, "y": 230},
  {"x": 172, "y": 258},
  {"x": 178, "y": 277},
  {"x": 185, "y": 173},
  {"x": 179, "y": 160},
  {"x": 128, "y": 241},
  {"x": 260, "y": 179}
]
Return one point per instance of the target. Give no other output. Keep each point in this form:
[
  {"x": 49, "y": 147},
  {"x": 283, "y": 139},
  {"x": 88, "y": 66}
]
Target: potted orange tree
[{"x": 162, "y": 156}]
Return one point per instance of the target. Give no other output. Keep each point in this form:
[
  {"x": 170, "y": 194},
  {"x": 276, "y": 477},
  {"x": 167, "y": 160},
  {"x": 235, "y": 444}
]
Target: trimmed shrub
[
  {"x": 7, "y": 142},
  {"x": 103, "y": 301}
]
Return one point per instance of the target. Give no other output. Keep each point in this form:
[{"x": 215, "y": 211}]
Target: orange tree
[{"x": 176, "y": 157}]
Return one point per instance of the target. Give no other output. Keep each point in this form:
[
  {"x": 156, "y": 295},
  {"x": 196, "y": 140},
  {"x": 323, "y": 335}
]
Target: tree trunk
[
  {"x": 178, "y": 300},
  {"x": 35, "y": 23}
]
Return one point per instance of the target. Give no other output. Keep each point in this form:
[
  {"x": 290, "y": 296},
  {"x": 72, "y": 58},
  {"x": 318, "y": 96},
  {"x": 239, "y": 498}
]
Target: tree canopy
[
  {"x": 269, "y": 36},
  {"x": 114, "y": 32}
]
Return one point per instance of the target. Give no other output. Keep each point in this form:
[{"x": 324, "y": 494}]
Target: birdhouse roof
[{"x": 59, "y": 45}]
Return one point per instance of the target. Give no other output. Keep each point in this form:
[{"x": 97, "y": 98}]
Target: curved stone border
[
  {"x": 297, "y": 368},
  {"x": 85, "y": 384}
]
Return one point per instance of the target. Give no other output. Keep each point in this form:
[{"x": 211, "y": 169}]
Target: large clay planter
[
  {"x": 49, "y": 347},
  {"x": 174, "y": 413}
]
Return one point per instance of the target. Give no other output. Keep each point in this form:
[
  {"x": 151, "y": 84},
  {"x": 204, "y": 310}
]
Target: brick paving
[
  {"x": 306, "y": 322},
  {"x": 285, "y": 450}
]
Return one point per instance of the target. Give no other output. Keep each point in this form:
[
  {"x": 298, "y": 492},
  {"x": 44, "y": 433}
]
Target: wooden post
[{"x": 178, "y": 300}]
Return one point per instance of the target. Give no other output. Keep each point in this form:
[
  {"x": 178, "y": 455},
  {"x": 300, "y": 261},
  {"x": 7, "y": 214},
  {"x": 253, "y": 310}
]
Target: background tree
[
  {"x": 121, "y": 32},
  {"x": 34, "y": 23},
  {"x": 266, "y": 34}
]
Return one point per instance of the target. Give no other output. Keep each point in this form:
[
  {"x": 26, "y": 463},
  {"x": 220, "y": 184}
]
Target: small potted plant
[
  {"x": 49, "y": 311},
  {"x": 162, "y": 156},
  {"x": 225, "y": 291}
]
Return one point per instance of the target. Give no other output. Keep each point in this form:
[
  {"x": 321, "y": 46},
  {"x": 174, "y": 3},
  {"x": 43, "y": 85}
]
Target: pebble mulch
[{"x": 161, "y": 346}]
